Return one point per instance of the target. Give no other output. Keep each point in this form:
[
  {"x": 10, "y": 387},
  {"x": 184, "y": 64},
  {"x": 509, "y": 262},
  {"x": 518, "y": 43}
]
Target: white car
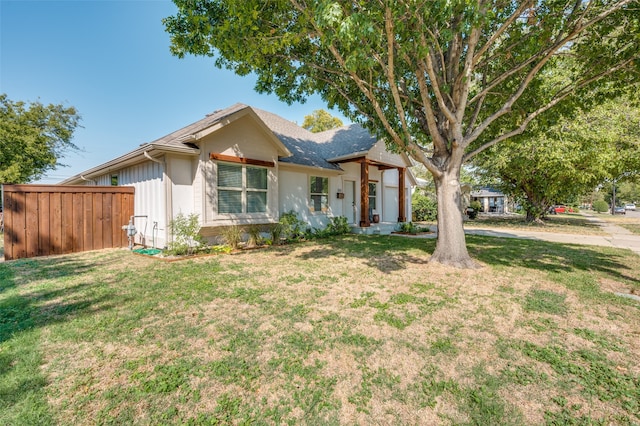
[{"x": 630, "y": 207}]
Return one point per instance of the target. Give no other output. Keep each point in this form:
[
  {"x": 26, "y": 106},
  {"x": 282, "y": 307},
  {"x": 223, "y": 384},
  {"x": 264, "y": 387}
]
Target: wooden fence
[{"x": 41, "y": 220}]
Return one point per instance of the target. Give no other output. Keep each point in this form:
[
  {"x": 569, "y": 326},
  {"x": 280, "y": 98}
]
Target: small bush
[
  {"x": 185, "y": 235},
  {"x": 276, "y": 233},
  {"x": 600, "y": 206},
  {"x": 424, "y": 208},
  {"x": 232, "y": 236},
  {"x": 292, "y": 227},
  {"x": 255, "y": 238},
  {"x": 475, "y": 207},
  {"x": 338, "y": 225}
]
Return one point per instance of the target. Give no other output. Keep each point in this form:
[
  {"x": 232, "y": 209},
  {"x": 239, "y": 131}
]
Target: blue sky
[{"x": 110, "y": 59}]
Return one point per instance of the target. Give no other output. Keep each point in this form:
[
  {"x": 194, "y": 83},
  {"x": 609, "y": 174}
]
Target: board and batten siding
[
  {"x": 150, "y": 201},
  {"x": 241, "y": 138}
]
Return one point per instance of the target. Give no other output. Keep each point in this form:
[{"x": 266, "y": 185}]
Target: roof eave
[{"x": 128, "y": 159}]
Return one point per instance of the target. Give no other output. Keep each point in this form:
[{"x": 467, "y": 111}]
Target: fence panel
[{"x": 51, "y": 219}]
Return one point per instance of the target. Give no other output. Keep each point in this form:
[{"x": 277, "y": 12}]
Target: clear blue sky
[{"x": 110, "y": 59}]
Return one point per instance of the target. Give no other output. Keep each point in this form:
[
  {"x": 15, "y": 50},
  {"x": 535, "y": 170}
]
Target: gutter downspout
[{"x": 88, "y": 180}]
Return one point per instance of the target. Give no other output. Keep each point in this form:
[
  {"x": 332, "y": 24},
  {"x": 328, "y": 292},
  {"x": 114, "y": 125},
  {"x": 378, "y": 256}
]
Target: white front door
[{"x": 349, "y": 201}]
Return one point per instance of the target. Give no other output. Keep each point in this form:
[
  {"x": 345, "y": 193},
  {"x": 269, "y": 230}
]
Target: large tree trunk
[{"x": 451, "y": 247}]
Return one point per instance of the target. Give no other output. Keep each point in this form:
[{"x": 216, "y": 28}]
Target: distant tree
[
  {"x": 551, "y": 165},
  {"x": 629, "y": 192},
  {"x": 320, "y": 120},
  {"x": 33, "y": 137}
]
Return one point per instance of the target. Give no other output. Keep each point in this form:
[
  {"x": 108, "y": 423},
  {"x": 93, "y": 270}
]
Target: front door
[{"x": 349, "y": 201}]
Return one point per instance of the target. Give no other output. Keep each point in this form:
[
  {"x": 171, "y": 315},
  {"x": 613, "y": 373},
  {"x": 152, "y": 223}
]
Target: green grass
[
  {"x": 571, "y": 223},
  {"x": 350, "y": 330},
  {"x": 633, "y": 227}
]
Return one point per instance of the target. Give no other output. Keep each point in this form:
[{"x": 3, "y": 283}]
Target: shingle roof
[
  {"x": 307, "y": 148},
  {"x": 301, "y": 142},
  {"x": 174, "y": 138},
  {"x": 315, "y": 149}
]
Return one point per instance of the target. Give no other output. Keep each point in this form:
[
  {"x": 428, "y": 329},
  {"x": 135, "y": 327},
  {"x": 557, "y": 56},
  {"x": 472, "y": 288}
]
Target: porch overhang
[{"x": 364, "y": 186}]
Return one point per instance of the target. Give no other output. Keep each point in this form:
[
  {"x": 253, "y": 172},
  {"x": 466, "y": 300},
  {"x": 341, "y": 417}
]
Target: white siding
[
  {"x": 242, "y": 138},
  {"x": 180, "y": 170},
  {"x": 379, "y": 153},
  {"x": 147, "y": 179}
]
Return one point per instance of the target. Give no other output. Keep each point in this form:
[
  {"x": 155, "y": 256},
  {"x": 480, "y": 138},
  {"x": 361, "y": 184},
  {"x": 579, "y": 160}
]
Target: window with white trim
[
  {"x": 319, "y": 194},
  {"x": 241, "y": 189},
  {"x": 373, "y": 196}
]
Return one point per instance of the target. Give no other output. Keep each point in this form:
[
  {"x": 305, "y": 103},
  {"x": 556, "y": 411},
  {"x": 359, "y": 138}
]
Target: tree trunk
[{"x": 451, "y": 246}]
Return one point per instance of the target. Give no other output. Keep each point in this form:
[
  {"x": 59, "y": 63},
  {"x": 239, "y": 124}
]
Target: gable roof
[{"x": 295, "y": 144}]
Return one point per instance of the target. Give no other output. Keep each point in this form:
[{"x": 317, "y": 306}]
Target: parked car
[
  {"x": 619, "y": 210},
  {"x": 558, "y": 209},
  {"x": 630, "y": 206}
]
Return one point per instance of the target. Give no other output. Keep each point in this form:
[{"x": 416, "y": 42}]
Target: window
[
  {"x": 372, "y": 195},
  {"x": 319, "y": 192},
  {"x": 114, "y": 180},
  {"x": 241, "y": 189}
]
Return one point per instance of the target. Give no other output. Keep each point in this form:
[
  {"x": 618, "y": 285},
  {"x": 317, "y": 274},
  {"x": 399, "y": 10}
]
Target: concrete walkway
[{"x": 614, "y": 235}]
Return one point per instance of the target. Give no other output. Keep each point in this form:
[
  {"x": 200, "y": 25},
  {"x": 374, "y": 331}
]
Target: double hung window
[
  {"x": 319, "y": 194},
  {"x": 241, "y": 189}
]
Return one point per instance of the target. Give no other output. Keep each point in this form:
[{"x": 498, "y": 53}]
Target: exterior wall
[
  {"x": 241, "y": 138},
  {"x": 180, "y": 172},
  {"x": 150, "y": 201},
  {"x": 379, "y": 153},
  {"x": 294, "y": 195}
]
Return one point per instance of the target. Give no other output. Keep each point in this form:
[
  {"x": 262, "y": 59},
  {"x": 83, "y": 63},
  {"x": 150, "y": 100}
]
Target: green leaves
[{"x": 33, "y": 137}]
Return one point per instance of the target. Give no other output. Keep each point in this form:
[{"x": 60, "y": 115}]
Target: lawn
[
  {"x": 568, "y": 223},
  {"x": 350, "y": 330}
]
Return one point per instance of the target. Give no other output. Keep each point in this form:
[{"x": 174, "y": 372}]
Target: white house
[{"x": 242, "y": 166}]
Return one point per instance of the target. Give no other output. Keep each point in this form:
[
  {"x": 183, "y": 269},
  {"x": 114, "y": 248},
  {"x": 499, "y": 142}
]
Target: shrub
[
  {"x": 600, "y": 206},
  {"x": 254, "y": 236},
  {"x": 338, "y": 225},
  {"x": 276, "y": 233},
  {"x": 292, "y": 227},
  {"x": 185, "y": 234},
  {"x": 474, "y": 208},
  {"x": 424, "y": 208},
  {"x": 232, "y": 236}
]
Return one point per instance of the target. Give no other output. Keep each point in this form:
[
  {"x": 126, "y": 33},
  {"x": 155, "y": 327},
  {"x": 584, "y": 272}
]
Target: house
[
  {"x": 244, "y": 166},
  {"x": 492, "y": 201}
]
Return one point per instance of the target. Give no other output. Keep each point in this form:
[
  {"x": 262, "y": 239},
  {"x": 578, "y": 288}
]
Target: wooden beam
[
  {"x": 241, "y": 160},
  {"x": 364, "y": 195},
  {"x": 401, "y": 195}
]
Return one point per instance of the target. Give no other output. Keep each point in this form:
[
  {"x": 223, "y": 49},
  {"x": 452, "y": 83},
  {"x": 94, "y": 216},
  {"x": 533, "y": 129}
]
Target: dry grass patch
[{"x": 351, "y": 330}]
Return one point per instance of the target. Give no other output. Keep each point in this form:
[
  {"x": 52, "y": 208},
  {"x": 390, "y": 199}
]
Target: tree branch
[{"x": 559, "y": 97}]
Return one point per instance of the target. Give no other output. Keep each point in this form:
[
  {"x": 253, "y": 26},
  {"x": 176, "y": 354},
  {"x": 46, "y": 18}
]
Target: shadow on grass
[
  {"x": 390, "y": 253},
  {"x": 23, "y": 313},
  {"x": 548, "y": 256},
  {"x": 385, "y": 253}
]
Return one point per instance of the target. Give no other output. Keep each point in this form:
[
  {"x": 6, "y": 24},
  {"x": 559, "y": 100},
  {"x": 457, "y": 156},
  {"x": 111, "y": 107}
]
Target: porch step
[{"x": 375, "y": 229}]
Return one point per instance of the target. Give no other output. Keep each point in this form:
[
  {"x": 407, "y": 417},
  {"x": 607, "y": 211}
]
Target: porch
[{"x": 382, "y": 228}]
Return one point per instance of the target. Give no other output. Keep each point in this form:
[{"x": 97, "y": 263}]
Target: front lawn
[
  {"x": 350, "y": 330},
  {"x": 565, "y": 223}
]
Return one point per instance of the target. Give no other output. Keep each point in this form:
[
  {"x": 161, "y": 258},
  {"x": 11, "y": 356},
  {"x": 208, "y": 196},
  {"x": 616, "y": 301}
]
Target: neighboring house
[
  {"x": 243, "y": 166},
  {"x": 492, "y": 201}
]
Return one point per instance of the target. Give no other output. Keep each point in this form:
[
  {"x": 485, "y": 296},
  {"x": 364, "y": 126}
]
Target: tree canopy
[
  {"x": 551, "y": 165},
  {"x": 33, "y": 137},
  {"x": 320, "y": 120},
  {"x": 441, "y": 80}
]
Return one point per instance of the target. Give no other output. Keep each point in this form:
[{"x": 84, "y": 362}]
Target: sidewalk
[{"x": 615, "y": 236}]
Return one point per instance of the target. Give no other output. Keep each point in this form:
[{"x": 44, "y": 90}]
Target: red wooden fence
[{"x": 40, "y": 220}]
